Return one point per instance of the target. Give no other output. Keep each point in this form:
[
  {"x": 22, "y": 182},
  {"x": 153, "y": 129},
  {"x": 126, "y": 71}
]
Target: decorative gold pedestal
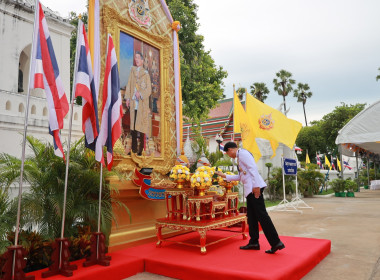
[
  {"x": 171, "y": 197},
  {"x": 199, "y": 201}
]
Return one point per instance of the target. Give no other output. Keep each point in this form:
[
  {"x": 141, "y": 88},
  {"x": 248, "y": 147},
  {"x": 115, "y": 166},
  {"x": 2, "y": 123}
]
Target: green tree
[
  {"x": 201, "y": 80},
  {"x": 311, "y": 139},
  {"x": 260, "y": 91},
  {"x": 8, "y": 212},
  {"x": 283, "y": 84},
  {"x": 310, "y": 180},
  {"x": 378, "y": 76},
  {"x": 302, "y": 93},
  {"x": 335, "y": 121},
  {"x": 45, "y": 173},
  {"x": 240, "y": 92}
]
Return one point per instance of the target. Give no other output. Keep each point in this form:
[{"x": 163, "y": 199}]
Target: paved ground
[{"x": 352, "y": 225}]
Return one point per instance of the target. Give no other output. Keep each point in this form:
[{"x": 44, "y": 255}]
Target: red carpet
[
  {"x": 122, "y": 266},
  {"x": 223, "y": 260}
]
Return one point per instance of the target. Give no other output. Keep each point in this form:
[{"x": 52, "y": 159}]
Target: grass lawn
[{"x": 324, "y": 192}]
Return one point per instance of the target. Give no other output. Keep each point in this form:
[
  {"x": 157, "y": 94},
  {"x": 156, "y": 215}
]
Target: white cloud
[{"x": 334, "y": 46}]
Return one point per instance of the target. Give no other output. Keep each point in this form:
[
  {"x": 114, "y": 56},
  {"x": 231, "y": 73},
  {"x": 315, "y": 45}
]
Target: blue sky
[{"x": 333, "y": 45}]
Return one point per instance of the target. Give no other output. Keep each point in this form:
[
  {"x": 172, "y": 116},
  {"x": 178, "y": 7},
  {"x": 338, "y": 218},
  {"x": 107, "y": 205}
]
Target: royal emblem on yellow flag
[
  {"x": 269, "y": 123},
  {"x": 266, "y": 122}
]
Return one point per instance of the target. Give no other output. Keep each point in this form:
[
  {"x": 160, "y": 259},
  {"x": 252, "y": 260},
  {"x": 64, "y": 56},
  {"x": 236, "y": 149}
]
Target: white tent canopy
[{"x": 363, "y": 130}]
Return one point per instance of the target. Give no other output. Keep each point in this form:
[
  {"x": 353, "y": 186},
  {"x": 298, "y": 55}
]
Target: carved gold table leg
[
  {"x": 243, "y": 225},
  {"x": 184, "y": 206},
  {"x": 198, "y": 210},
  {"x": 167, "y": 205},
  {"x": 202, "y": 234},
  {"x": 159, "y": 235}
]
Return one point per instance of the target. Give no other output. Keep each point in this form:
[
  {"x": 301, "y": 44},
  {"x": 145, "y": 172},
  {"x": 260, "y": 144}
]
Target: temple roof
[{"x": 220, "y": 121}]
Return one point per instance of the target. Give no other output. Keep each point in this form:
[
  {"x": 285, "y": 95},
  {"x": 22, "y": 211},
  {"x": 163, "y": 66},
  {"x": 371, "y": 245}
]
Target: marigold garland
[{"x": 180, "y": 172}]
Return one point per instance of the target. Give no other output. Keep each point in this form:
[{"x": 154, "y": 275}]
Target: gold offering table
[
  {"x": 176, "y": 201},
  {"x": 198, "y": 203},
  {"x": 232, "y": 200},
  {"x": 202, "y": 226}
]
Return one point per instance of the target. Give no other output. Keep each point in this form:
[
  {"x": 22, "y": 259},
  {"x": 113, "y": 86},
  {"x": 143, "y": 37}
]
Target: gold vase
[
  {"x": 201, "y": 190},
  {"x": 180, "y": 183},
  {"x": 228, "y": 187}
]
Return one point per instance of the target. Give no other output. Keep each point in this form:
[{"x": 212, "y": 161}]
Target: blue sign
[{"x": 290, "y": 166}]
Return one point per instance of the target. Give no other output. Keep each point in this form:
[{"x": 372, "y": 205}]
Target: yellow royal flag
[
  {"x": 339, "y": 166},
  {"x": 271, "y": 124},
  {"x": 307, "y": 158},
  {"x": 327, "y": 162},
  {"x": 243, "y": 126}
]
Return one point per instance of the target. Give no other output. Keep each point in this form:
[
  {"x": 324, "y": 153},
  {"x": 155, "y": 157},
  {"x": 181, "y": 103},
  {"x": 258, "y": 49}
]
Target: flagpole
[
  {"x": 36, "y": 6},
  {"x": 68, "y": 151},
  {"x": 100, "y": 183},
  {"x": 100, "y": 208}
]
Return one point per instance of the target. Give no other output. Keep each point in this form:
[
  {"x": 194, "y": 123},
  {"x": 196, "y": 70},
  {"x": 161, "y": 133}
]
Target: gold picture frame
[{"x": 115, "y": 24}]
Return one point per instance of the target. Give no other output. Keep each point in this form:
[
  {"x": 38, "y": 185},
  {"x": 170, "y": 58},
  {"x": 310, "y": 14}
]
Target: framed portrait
[
  {"x": 139, "y": 72},
  {"x": 145, "y": 67}
]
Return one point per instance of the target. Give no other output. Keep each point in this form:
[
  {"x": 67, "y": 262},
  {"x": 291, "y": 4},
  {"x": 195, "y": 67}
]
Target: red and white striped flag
[
  {"x": 45, "y": 75},
  {"x": 110, "y": 129},
  {"x": 85, "y": 87}
]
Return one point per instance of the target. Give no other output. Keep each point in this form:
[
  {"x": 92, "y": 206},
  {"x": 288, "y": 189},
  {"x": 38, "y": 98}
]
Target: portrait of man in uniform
[{"x": 139, "y": 82}]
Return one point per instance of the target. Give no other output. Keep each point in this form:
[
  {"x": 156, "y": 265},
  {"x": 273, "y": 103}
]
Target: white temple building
[{"x": 16, "y": 21}]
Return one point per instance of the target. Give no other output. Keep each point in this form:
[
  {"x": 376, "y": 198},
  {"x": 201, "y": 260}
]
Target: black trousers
[{"x": 256, "y": 212}]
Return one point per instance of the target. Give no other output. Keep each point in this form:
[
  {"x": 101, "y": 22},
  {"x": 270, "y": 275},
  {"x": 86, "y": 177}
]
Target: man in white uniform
[{"x": 253, "y": 188}]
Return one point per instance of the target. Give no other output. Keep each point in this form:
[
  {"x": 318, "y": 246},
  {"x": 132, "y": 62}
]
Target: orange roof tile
[{"x": 223, "y": 109}]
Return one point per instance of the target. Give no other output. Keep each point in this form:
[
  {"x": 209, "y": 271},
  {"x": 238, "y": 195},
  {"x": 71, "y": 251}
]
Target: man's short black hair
[{"x": 229, "y": 145}]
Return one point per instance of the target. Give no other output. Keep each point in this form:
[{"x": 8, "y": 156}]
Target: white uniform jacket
[{"x": 248, "y": 172}]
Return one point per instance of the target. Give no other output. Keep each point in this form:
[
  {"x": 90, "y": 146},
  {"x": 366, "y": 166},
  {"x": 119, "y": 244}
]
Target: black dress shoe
[
  {"x": 250, "y": 247},
  {"x": 279, "y": 246}
]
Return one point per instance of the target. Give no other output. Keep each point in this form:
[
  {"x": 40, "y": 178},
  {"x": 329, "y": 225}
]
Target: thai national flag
[
  {"x": 319, "y": 161},
  {"x": 332, "y": 163},
  {"x": 346, "y": 165},
  {"x": 221, "y": 148},
  {"x": 110, "y": 129},
  {"x": 85, "y": 87},
  {"x": 45, "y": 75}
]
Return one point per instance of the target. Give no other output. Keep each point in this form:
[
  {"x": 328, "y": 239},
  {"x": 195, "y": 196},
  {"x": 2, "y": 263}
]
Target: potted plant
[
  {"x": 338, "y": 186},
  {"x": 350, "y": 186},
  {"x": 310, "y": 180}
]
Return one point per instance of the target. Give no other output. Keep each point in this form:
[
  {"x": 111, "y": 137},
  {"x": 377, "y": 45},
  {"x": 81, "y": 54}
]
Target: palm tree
[
  {"x": 45, "y": 172},
  {"x": 8, "y": 212},
  {"x": 260, "y": 91},
  {"x": 283, "y": 85},
  {"x": 378, "y": 76},
  {"x": 302, "y": 93},
  {"x": 240, "y": 92}
]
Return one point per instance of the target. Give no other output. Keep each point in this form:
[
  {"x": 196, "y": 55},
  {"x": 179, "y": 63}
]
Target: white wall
[{"x": 16, "y": 21}]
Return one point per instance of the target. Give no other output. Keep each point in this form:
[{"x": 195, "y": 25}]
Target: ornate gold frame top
[{"x": 114, "y": 23}]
